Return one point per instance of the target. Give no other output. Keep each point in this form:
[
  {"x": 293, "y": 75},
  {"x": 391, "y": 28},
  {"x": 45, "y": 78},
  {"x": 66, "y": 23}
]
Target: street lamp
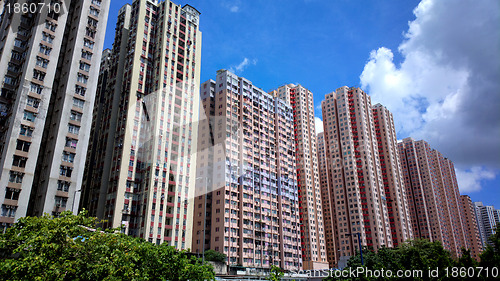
[
  {"x": 359, "y": 241},
  {"x": 204, "y": 216}
]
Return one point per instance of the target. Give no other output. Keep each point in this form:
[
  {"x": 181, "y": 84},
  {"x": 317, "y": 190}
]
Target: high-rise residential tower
[
  {"x": 487, "y": 219},
  {"x": 246, "y": 204},
  {"x": 49, "y": 62},
  {"x": 392, "y": 175},
  {"x": 357, "y": 198},
  {"x": 473, "y": 238},
  {"x": 141, "y": 173},
  {"x": 329, "y": 217},
  {"x": 433, "y": 195},
  {"x": 310, "y": 209}
]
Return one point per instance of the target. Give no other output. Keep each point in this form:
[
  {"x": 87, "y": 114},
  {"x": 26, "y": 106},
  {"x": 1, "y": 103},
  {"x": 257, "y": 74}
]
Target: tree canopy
[
  {"x": 428, "y": 256},
  {"x": 212, "y": 255},
  {"x": 68, "y": 248}
]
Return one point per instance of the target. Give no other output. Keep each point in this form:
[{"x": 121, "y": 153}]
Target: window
[
  {"x": 19, "y": 43},
  {"x": 12, "y": 194},
  {"x": 84, "y": 66},
  {"x": 26, "y": 131},
  {"x": 82, "y": 78},
  {"x": 9, "y": 80},
  {"x": 29, "y": 116},
  {"x": 14, "y": 68},
  {"x": 80, "y": 90},
  {"x": 8, "y": 211},
  {"x": 50, "y": 26},
  {"x": 45, "y": 50},
  {"x": 61, "y": 201},
  {"x": 65, "y": 171},
  {"x": 42, "y": 62},
  {"x": 94, "y": 11},
  {"x": 68, "y": 157},
  {"x": 52, "y": 14},
  {"x": 96, "y": 2},
  {"x": 35, "y": 88},
  {"x": 33, "y": 102},
  {"x": 63, "y": 185},
  {"x": 78, "y": 103},
  {"x": 90, "y": 33},
  {"x": 16, "y": 55},
  {"x": 86, "y": 55},
  {"x": 23, "y": 145},
  {"x": 39, "y": 75},
  {"x": 91, "y": 21},
  {"x": 71, "y": 142},
  {"x": 88, "y": 43},
  {"x": 47, "y": 38},
  {"x": 76, "y": 116},
  {"x": 16, "y": 177},
  {"x": 73, "y": 129},
  {"x": 19, "y": 161}
]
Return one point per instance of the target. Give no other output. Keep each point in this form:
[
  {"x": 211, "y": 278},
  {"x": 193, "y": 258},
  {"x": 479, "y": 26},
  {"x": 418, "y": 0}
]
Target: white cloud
[
  {"x": 232, "y": 5},
  {"x": 318, "y": 125},
  {"x": 242, "y": 65},
  {"x": 446, "y": 88},
  {"x": 470, "y": 180},
  {"x": 318, "y": 107}
]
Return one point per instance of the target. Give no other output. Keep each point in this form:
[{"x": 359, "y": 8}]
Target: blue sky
[{"x": 419, "y": 62}]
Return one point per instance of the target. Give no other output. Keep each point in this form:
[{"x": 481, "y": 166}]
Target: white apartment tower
[{"x": 49, "y": 63}]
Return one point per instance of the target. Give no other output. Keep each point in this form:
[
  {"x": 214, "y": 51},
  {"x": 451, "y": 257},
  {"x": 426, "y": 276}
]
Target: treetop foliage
[{"x": 70, "y": 248}]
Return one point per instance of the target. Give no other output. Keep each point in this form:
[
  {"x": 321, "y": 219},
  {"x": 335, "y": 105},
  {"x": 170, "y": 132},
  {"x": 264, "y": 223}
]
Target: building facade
[
  {"x": 473, "y": 238},
  {"x": 392, "y": 175},
  {"x": 327, "y": 202},
  {"x": 49, "y": 62},
  {"x": 433, "y": 194},
  {"x": 487, "y": 218},
  {"x": 141, "y": 170},
  {"x": 355, "y": 187},
  {"x": 314, "y": 252},
  {"x": 246, "y": 203}
]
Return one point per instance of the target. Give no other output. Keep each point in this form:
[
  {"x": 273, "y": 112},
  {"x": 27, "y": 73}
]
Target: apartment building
[
  {"x": 354, "y": 185},
  {"x": 314, "y": 252},
  {"x": 487, "y": 218},
  {"x": 433, "y": 194},
  {"x": 473, "y": 238},
  {"x": 141, "y": 168},
  {"x": 392, "y": 175},
  {"x": 49, "y": 63},
  {"x": 247, "y": 202},
  {"x": 327, "y": 202}
]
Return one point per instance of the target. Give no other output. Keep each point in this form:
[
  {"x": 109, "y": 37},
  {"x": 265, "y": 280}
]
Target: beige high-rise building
[
  {"x": 433, "y": 195},
  {"x": 354, "y": 180},
  {"x": 327, "y": 200},
  {"x": 473, "y": 238},
  {"x": 392, "y": 175},
  {"x": 49, "y": 63},
  {"x": 141, "y": 170},
  {"x": 247, "y": 200},
  {"x": 310, "y": 209}
]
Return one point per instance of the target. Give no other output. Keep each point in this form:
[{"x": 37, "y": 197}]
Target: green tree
[
  {"x": 67, "y": 248},
  {"x": 212, "y": 255},
  {"x": 491, "y": 255},
  {"x": 466, "y": 259},
  {"x": 412, "y": 255},
  {"x": 276, "y": 273}
]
